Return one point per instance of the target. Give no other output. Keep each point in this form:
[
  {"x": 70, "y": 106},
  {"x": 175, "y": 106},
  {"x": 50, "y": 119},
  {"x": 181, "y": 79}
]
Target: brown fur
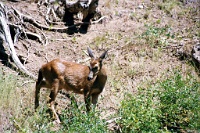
[{"x": 81, "y": 79}]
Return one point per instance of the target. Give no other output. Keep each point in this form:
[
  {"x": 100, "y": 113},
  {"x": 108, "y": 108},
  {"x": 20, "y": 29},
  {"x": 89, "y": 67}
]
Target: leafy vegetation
[
  {"x": 74, "y": 120},
  {"x": 180, "y": 102},
  {"x": 8, "y": 89},
  {"x": 170, "y": 105},
  {"x": 139, "y": 113},
  {"x": 157, "y": 37}
]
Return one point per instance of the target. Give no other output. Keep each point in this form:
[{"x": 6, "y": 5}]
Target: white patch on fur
[{"x": 61, "y": 67}]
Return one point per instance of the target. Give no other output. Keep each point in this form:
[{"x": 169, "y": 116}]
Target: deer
[{"x": 59, "y": 74}]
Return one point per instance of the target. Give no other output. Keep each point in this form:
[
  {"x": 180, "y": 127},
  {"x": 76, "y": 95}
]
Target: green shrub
[
  {"x": 170, "y": 105},
  {"x": 180, "y": 102},
  {"x": 75, "y": 120},
  {"x": 139, "y": 113}
]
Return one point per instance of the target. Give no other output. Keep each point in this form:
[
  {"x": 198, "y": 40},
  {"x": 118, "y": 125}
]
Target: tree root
[
  {"x": 29, "y": 19},
  {"x": 5, "y": 31}
]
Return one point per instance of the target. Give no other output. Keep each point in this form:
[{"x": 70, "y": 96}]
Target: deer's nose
[{"x": 90, "y": 76}]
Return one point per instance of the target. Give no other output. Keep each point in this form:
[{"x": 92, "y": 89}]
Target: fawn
[{"x": 59, "y": 74}]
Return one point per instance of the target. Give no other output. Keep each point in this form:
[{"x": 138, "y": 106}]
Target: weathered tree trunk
[{"x": 5, "y": 35}]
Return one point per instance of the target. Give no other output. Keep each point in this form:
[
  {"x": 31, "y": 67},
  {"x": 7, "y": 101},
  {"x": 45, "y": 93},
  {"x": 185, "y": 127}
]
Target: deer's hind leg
[
  {"x": 53, "y": 94},
  {"x": 39, "y": 85}
]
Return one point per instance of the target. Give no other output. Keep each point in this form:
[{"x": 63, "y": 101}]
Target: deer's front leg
[
  {"x": 87, "y": 99},
  {"x": 95, "y": 99}
]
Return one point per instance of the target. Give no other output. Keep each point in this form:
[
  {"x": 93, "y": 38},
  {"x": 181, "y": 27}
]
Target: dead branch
[
  {"x": 29, "y": 19},
  {"x": 17, "y": 30},
  {"x": 33, "y": 35},
  {"x": 47, "y": 17},
  {"x": 28, "y": 53},
  {"x": 112, "y": 124},
  {"x": 46, "y": 40},
  {"x": 97, "y": 21},
  {"x": 27, "y": 34},
  {"x": 7, "y": 38}
]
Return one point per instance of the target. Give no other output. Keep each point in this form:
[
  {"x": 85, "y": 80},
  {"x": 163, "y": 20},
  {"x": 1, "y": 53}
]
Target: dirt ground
[{"x": 129, "y": 63}]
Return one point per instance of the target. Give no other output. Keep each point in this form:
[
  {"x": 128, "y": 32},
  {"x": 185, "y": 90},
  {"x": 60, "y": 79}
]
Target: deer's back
[{"x": 72, "y": 76}]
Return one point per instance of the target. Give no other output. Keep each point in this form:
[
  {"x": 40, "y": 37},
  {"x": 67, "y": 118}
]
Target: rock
[{"x": 196, "y": 54}]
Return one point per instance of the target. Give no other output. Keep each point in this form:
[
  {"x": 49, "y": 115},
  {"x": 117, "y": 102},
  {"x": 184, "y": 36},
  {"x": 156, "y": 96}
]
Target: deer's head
[{"x": 95, "y": 63}]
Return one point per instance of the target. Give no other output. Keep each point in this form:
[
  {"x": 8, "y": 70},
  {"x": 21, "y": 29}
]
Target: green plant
[
  {"x": 99, "y": 40},
  {"x": 139, "y": 113},
  {"x": 170, "y": 105},
  {"x": 180, "y": 102},
  {"x": 156, "y": 36},
  {"x": 75, "y": 120}
]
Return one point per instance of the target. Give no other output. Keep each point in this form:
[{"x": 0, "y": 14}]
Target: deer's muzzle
[{"x": 91, "y": 75}]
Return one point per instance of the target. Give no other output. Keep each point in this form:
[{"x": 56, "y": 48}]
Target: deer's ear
[
  {"x": 104, "y": 55},
  {"x": 90, "y": 52}
]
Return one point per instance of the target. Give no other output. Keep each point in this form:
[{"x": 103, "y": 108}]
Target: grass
[
  {"x": 8, "y": 92},
  {"x": 169, "y": 7},
  {"x": 9, "y": 102}
]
